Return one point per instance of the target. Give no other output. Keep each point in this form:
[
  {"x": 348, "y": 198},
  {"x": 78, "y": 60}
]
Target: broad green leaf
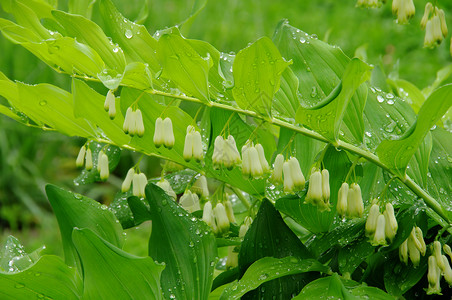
[
  {"x": 90, "y": 105},
  {"x": 113, "y": 154},
  {"x": 267, "y": 269},
  {"x": 16, "y": 33},
  {"x": 353, "y": 254},
  {"x": 224, "y": 279},
  {"x": 333, "y": 287},
  {"x": 13, "y": 257},
  {"x": 74, "y": 210},
  {"x": 419, "y": 162},
  {"x": 378, "y": 78},
  {"x": 257, "y": 71},
  {"x": 406, "y": 89},
  {"x": 89, "y": 33},
  {"x": 137, "y": 75},
  {"x": 8, "y": 112},
  {"x": 134, "y": 39},
  {"x": 185, "y": 244},
  {"x": 441, "y": 76},
  {"x": 285, "y": 102},
  {"x": 41, "y": 8},
  {"x": 120, "y": 207},
  {"x": 319, "y": 68},
  {"x": 307, "y": 215},
  {"x": 183, "y": 65},
  {"x": 268, "y": 235},
  {"x": 198, "y": 6},
  {"x": 28, "y": 18},
  {"x": 396, "y": 154},
  {"x": 81, "y": 7},
  {"x": 48, "y": 278},
  {"x": 399, "y": 278},
  {"x": 326, "y": 117},
  {"x": 111, "y": 273}
]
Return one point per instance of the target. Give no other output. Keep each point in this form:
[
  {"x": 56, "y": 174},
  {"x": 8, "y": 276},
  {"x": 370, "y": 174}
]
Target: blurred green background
[{"x": 30, "y": 158}]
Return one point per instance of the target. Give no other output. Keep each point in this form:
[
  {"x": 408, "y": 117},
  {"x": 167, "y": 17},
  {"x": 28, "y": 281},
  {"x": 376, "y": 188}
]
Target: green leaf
[
  {"x": 26, "y": 16},
  {"x": 8, "y": 112},
  {"x": 257, "y": 72},
  {"x": 408, "y": 90},
  {"x": 74, "y": 210},
  {"x": 134, "y": 40},
  {"x": 137, "y": 75},
  {"x": 267, "y": 269},
  {"x": 81, "y": 7},
  {"x": 89, "y": 33},
  {"x": 441, "y": 76},
  {"x": 285, "y": 101},
  {"x": 185, "y": 244},
  {"x": 307, "y": 215},
  {"x": 326, "y": 117},
  {"x": 396, "y": 154},
  {"x": 224, "y": 278},
  {"x": 353, "y": 254},
  {"x": 110, "y": 273},
  {"x": 319, "y": 68},
  {"x": 183, "y": 65},
  {"x": 268, "y": 235},
  {"x": 13, "y": 257},
  {"x": 48, "y": 278},
  {"x": 399, "y": 278},
  {"x": 90, "y": 105}
]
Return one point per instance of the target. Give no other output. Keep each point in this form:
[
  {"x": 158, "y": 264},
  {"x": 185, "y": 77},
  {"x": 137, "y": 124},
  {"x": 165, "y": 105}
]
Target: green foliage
[{"x": 294, "y": 95}]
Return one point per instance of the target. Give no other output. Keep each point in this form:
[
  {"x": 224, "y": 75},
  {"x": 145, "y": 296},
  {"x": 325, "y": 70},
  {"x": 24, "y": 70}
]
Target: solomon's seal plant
[{"x": 232, "y": 213}]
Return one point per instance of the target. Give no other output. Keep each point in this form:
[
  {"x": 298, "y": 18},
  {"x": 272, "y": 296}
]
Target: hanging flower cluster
[
  {"x": 404, "y": 9},
  {"x": 163, "y": 134},
  {"x": 193, "y": 145},
  {"x": 289, "y": 173},
  {"x": 133, "y": 122},
  {"x": 413, "y": 247},
  {"x": 381, "y": 226},
  {"x": 218, "y": 218},
  {"x": 84, "y": 157},
  {"x": 319, "y": 189},
  {"x": 434, "y": 23},
  {"x": 254, "y": 163},
  {"x": 350, "y": 201},
  {"x": 166, "y": 186},
  {"x": 190, "y": 201},
  {"x": 225, "y": 153},
  {"x": 438, "y": 265},
  {"x": 102, "y": 165},
  {"x": 110, "y": 104}
]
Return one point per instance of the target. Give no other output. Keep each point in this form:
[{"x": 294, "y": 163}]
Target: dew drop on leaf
[{"x": 128, "y": 34}]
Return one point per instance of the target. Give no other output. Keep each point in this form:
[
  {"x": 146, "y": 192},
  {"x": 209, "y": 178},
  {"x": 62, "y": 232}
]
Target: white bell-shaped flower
[
  {"x": 168, "y": 134},
  {"x": 447, "y": 250},
  {"x": 371, "y": 223},
  {"x": 413, "y": 251},
  {"x": 198, "y": 153},
  {"x": 231, "y": 155},
  {"x": 391, "y": 222},
  {"x": 288, "y": 181},
  {"x": 200, "y": 187},
  {"x": 442, "y": 19},
  {"x": 246, "y": 161},
  {"x": 207, "y": 213},
  {"x": 139, "y": 183},
  {"x": 379, "y": 237},
  {"x": 190, "y": 201},
  {"x": 314, "y": 194},
  {"x": 128, "y": 180},
  {"x": 405, "y": 11},
  {"x": 139, "y": 125},
  {"x": 158, "y": 132},
  {"x": 110, "y": 105},
  {"x": 403, "y": 252},
  {"x": 102, "y": 166},
  {"x": 297, "y": 176},
  {"x": 229, "y": 211},
  {"x": 88, "y": 159},
  {"x": 447, "y": 272},
  {"x": 262, "y": 159},
  {"x": 277, "y": 175},
  {"x": 256, "y": 168},
  {"x": 355, "y": 205},
  {"x": 428, "y": 9},
  {"x": 81, "y": 157},
  {"x": 433, "y": 276},
  {"x": 420, "y": 238},
  {"x": 232, "y": 260},
  {"x": 218, "y": 150},
  {"x": 325, "y": 185},
  {"x": 437, "y": 253},
  {"x": 342, "y": 199},
  {"x": 188, "y": 144},
  {"x": 128, "y": 120},
  {"x": 166, "y": 186},
  {"x": 221, "y": 218}
]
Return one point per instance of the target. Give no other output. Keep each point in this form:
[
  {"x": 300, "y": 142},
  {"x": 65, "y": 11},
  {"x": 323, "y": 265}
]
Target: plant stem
[{"x": 429, "y": 200}]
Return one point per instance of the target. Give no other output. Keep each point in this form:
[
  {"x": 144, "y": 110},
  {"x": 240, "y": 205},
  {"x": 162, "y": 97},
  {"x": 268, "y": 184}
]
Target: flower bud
[
  {"x": 325, "y": 185},
  {"x": 128, "y": 180},
  {"x": 110, "y": 105},
  {"x": 355, "y": 205},
  {"x": 437, "y": 29},
  {"x": 433, "y": 276},
  {"x": 342, "y": 202},
  {"x": 139, "y": 125},
  {"x": 256, "y": 168},
  {"x": 395, "y": 6},
  {"x": 379, "y": 237},
  {"x": 231, "y": 155},
  {"x": 136, "y": 188},
  {"x": 391, "y": 222},
  {"x": 102, "y": 166},
  {"x": 188, "y": 145},
  {"x": 190, "y": 202},
  {"x": 168, "y": 135},
  {"x": 437, "y": 253},
  {"x": 81, "y": 157},
  {"x": 200, "y": 187},
  {"x": 406, "y": 11},
  {"x": 88, "y": 159},
  {"x": 246, "y": 162},
  {"x": 278, "y": 169},
  {"x": 126, "y": 127},
  {"x": 288, "y": 182},
  {"x": 420, "y": 238},
  {"x": 198, "y": 153},
  {"x": 207, "y": 213},
  {"x": 428, "y": 9},
  {"x": 442, "y": 19},
  {"x": 218, "y": 150},
  {"x": 371, "y": 223},
  {"x": 413, "y": 251},
  {"x": 314, "y": 194},
  {"x": 165, "y": 185},
  {"x": 221, "y": 218},
  {"x": 232, "y": 259},
  {"x": 158, "y": 133},
  {"x": 229, "y": 211},
  {"x": 262, "y": 159},
  {"x": 297, "y": 175},
  {"x": 447, "y": 250},
  {"x": 403, "y": 252},
  {"x": 447, "y": 272}
]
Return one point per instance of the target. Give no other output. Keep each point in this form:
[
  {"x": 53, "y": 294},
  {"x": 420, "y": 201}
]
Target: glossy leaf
[
  {"x": 353, "y": 254},
  {"x": 13, "y": 257},
  {"x": 74, "y": 210},
  {"x": 285, "y": 101},
  {"x": 268, "y": 235},
  {"x": 267, "y": 269},
  {"x": 397, "y": 153},
  {"x": 185, "y": 244},
  {"x": 111, "y": 273},
  {"x": 49, "y": 277},
  {"x": 257, "y": 70}
]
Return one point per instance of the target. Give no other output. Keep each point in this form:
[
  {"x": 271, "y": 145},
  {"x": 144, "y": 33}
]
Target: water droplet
[
  {"x": 19, "y": 286},
  {"x": 263, "y": 276},
  {"x": 128, "y": 34},
  {"x": 164, "y": 202},
  {"x": 313, "y": 91},
  {"x": 115, "y": 49},
  {"x": 43, "y": 102},
  {"x": 380, "y": 99},
  {"x": 390, "y": 102},
  {"x": 302, "y": 40}
]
